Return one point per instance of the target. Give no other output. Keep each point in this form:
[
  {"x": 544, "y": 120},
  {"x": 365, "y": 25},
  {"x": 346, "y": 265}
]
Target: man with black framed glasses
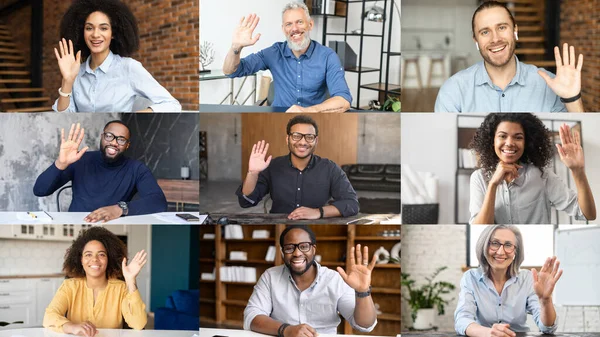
[
  {"x": 301, "y": 183},
  {"x": 303, "y": 298},
  {"x": 105, "y": 181}
]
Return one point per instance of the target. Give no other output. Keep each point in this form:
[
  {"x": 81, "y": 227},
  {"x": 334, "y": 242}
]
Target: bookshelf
[{"x": 222, "y": 304}]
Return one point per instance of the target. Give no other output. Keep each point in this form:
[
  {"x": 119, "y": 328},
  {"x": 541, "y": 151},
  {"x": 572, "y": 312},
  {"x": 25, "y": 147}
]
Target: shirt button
[
  {"x": 298, "y": 75},
  {"x": 298, "y": 90},
  {"x": 300, "y": 172},
  {"x": 502, "y": 95},
  {"x": 298, "y": 188},
  {"x": 499, "y": 304},
  {"x": 298, "y": 102},
  {"x": 297, "y": 205}
]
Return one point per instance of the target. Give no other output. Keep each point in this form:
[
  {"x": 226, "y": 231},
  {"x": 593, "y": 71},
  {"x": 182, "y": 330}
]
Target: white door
[{"x": 140, "y": 237}]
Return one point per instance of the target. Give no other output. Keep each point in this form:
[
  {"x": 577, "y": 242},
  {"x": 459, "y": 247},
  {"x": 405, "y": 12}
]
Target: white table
[
  {"x": 41, "y": 332},
  {"x": 67, "y": 218},
  {"x": 245, "y": 333}
]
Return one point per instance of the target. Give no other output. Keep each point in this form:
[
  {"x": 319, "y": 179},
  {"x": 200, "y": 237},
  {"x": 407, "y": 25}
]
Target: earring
[
  {"x": 477, "y": 46},
  {"x": 516, "y": 36}
]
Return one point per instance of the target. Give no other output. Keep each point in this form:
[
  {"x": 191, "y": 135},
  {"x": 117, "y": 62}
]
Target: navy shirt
[
  {"x": 299, "y": 81},
  {"x": 97, "y": 184},
  {"x": 313, "y": 187}
]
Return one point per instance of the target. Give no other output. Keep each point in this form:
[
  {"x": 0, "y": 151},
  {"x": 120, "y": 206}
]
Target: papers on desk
[
  {"x": 238, "y": 274},
  {"x": 34, "y": 217},
  {"x": 174, "y": 219}
]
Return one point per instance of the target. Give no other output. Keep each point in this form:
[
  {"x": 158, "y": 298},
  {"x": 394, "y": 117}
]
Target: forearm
[
  {"x": 576, "y": 106},
  {"x": 49, "y": 181},
  {"x": 265, "y": 324},
  {"x": 547, "y": 312},
  {"x": 131, "y": 284},
  {"x": 333, "y": 104},
  {"x": 330, "y": 211},
  {"x": 476, "y": 330},
  {"x": 584, "y": 194},
  {"x": 486, "y": 214},
  {"x": 232, "y": 60},
  {"x": 364, "y": 312},
  {"x": 250, "y": 183},
  {"x": 153, "y": 202},
  {"x": 63, "y": 102}
]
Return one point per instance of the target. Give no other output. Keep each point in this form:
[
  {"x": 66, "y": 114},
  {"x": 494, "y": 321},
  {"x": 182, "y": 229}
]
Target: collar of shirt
[
  {"x": 311, "y": 162},
  {"x": 488, "y": 282},
  {"x": 287, "y": 273},
  {"x": 287, "y": 52},
  {"x": 482, "y": 77},
  {"x": 104, "y": 66}
]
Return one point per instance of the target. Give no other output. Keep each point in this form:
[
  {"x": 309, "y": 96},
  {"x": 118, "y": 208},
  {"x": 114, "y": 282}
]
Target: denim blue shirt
[
  {"x": 301, "y": 81},
  {"x": 480, "y": 303},
  {"x": 114, "y": 86},
  {"x": 472, "y": 90}
]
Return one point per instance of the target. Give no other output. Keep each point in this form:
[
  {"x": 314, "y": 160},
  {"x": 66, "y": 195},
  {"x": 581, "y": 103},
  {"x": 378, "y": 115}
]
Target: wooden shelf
[
  {"x": 380, "y": 86},
  {"x": 206, "y": 259},
  {"x": 377, "y": 238},
  {"x": 233, "y": 323},
  {"x": 333, "y": 264},
  {"x": 207, "y": 281},
  {"x": 251, "y": 262},
  {"x": 236, "y": 303},
  {"x": 389, "y": 317},
  {"x": 250, "y": 240},
  {"x": 385, "y": 291},
  {"x": 361, "y": 70},
  {"x": 239, "y": 283},
  {"x": 207, "y": 240},
  {"x": 333, "y": 238},
  {"x": 388, "y": 266},
  {"x": 208, "y": 320},
  {"x": 207, "y": 300}
]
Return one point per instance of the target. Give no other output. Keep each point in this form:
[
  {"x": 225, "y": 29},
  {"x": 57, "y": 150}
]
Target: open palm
[
  {"x": 545, "y": 280},
  {"x": 570, "y": 150},
  {"x": 68, "y": 62},
  {"x": 257, "y": 162},
  {"x": 567, "y": 82},
  {"x": 242, "y": 35},
  {"x": 69, "y": 148},
  {"x": 358, "y": 271},
  {"x": 135, "y": 265}
]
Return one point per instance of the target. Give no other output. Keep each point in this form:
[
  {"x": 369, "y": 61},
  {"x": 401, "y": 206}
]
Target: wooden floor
[{"x": 419, "y": 100}]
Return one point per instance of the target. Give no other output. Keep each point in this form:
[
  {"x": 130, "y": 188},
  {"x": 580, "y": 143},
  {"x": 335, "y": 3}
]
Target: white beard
[{"x": 299, "y": 46}]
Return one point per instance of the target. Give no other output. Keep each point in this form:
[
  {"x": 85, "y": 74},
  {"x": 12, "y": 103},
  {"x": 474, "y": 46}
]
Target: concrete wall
[{"x": 379, "y": 139}]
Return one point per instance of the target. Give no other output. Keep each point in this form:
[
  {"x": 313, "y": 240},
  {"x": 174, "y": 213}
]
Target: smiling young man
[
  {"x": 300, "y": 183},
  {"x": 104, "y": 182},
  {"x": 303, "y": 298},
  {"x": 303, "y": 70},
  {"x": 500, "y": 83}
]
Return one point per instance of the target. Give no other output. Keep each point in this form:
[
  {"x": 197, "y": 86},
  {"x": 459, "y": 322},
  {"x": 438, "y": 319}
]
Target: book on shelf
[
  {"x": 234, "y": 232},
  {"x": 238, "y": 274},
  {"x": 270, "y": 254}
]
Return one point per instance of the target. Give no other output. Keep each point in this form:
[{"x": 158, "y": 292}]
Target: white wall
[
  {"x": 31, "y": 257},
  {"x": 429, "y": 143},
  {"x": 218, "y": 21}
]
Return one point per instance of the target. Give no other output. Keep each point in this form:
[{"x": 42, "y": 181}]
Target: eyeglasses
[
  {"x": 303, "y": 246},
  {"x": 508, "y": 247},
  {"x": 297, "y": 136},
  {"x": 120, "y": 139}
]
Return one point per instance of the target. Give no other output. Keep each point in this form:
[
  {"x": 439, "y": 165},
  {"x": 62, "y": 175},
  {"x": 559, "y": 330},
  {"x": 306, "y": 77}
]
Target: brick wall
[
  {"x": 169, "y": 39},
  {"x": 579, "y": 27}
]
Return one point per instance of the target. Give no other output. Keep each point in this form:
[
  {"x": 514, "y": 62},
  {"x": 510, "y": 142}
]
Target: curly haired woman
[
  {"x": 514, "y": 184},
  {"x": 105, "y": 34},
  {"x": 100, "y": 289}
]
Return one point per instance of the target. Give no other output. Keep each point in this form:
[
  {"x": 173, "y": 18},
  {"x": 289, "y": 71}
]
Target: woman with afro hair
[
  {"x": 514, "y": 184},
  {"x": 104, "y": 34},
  {"x": 100, "y": 288}
]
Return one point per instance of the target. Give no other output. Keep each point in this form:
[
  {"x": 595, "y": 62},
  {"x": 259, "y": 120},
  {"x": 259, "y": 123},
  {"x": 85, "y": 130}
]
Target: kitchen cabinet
[{"x": 26, "y": 299}]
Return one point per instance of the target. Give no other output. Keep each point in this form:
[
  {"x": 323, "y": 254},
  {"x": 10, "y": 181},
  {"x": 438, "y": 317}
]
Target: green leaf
[{"x": 396, "y": 106}]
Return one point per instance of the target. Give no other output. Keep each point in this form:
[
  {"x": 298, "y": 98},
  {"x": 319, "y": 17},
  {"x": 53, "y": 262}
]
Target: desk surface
[
  {"x": 41, "y": 332},
  {"x": 208, "y": 108},
  {"x": 277, "y": 219},
  {"x": 519, "y": 334},
  {"x": 67, "y": 218},
  {"x": 245, "y": 333}
]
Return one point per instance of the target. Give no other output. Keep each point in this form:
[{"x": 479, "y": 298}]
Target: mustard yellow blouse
[{"x": 114, "y": 303}]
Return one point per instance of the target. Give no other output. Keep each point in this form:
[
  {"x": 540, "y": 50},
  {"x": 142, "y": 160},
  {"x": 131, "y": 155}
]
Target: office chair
[{"x": 58, "y": 194}]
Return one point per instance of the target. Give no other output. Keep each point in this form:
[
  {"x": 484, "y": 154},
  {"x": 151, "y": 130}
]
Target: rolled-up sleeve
[
  {"x": 533, "y": 308},
  {"x": 146, "y": 86},
  {"x": 342, "y": 192},
  {"x": 466, "y": 308},
  {"x": 70, "y": 108},
  {"x": 346, "y": 304},
  {"x": 562, "y": 197},
  {"x": 336, "y": 80},
  {"x": 477, "y": 194},
  {"x": 251, "y": 64},
  {"x": 260, "y": 190},
  {"x": 260, "y": 302}
]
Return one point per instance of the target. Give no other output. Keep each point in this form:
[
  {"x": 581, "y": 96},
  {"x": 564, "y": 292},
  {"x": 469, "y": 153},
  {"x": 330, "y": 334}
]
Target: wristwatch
[
  {"x": 365, "y": 294},
  {"x": 321, "y": 211},
  {"x": 124, "y": 207}
]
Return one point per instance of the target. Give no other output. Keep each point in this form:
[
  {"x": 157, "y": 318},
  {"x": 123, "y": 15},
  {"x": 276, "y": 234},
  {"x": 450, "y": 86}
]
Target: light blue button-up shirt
[
  {"x": 480, "y": 303},
  {"x": 114, "y": 87},
  {"x": 526, "y": 200},
  {"x": 472, "y": 90},
  {"x": 302, "y": 81},
  {"x": 277, "y": 295}
]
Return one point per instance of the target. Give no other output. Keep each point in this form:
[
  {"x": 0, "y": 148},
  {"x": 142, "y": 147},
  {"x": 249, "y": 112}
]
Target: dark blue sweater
[{"x": 97, "y": 184}]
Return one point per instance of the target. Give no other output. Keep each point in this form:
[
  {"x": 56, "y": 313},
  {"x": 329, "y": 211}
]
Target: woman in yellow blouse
[{"x": 100, "y": 289}]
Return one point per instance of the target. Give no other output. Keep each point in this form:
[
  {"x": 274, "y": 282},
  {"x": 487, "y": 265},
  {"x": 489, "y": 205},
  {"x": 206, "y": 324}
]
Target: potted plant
[
  {"x": 424, "y": 299},
  {"x": 392, "y": 103}
]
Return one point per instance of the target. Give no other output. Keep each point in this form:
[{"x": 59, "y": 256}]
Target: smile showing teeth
[
  {"x": 509, "y": 151},
  {"x": 497, "y": 49},
  {"x": 95, "y": 267},
  {"x": 299, "y": 262},
  {"x": 111, "y": 150}
]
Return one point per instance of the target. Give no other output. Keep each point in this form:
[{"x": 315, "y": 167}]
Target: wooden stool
[
  {"x": 407, "y": 62},
  {"x": 436, "y": 60}
]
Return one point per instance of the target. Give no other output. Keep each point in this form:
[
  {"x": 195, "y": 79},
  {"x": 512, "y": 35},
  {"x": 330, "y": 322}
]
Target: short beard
[
  {"x": 299, "y": 47},
  {"x": 308, "y": 265},
  {"x": 489, "y": 61},
  {"x": 291, "y": 148},
  {"x": 108, "y": 159}
]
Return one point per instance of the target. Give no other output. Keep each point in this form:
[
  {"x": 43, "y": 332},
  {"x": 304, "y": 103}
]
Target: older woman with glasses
[{"x": 495, "y": 298}]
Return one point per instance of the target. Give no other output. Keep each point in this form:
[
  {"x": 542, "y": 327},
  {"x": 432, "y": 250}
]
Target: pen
[
  {"x": 32, "y": 215},
  {"x": 49, "y": 215}
]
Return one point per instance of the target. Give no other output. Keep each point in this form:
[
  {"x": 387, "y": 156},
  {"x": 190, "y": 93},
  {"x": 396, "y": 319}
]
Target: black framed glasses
[
  {"x": 303, "y": 246},
  {"x": 120, "y": 139},
  {"x": 297, "y": 136},
  {"x": 508, "y": 247}
]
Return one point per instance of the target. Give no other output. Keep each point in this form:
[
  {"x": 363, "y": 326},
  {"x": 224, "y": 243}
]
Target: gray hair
[
  {"x": 294, "y": 5},
  {"x": 483, "y": 245}
]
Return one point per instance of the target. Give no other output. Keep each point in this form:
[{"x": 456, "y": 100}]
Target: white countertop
[
  {"x": 245, "y": 333},
  {"x": 67, "y": 218},
  {"x": 41, "y": 332}
]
